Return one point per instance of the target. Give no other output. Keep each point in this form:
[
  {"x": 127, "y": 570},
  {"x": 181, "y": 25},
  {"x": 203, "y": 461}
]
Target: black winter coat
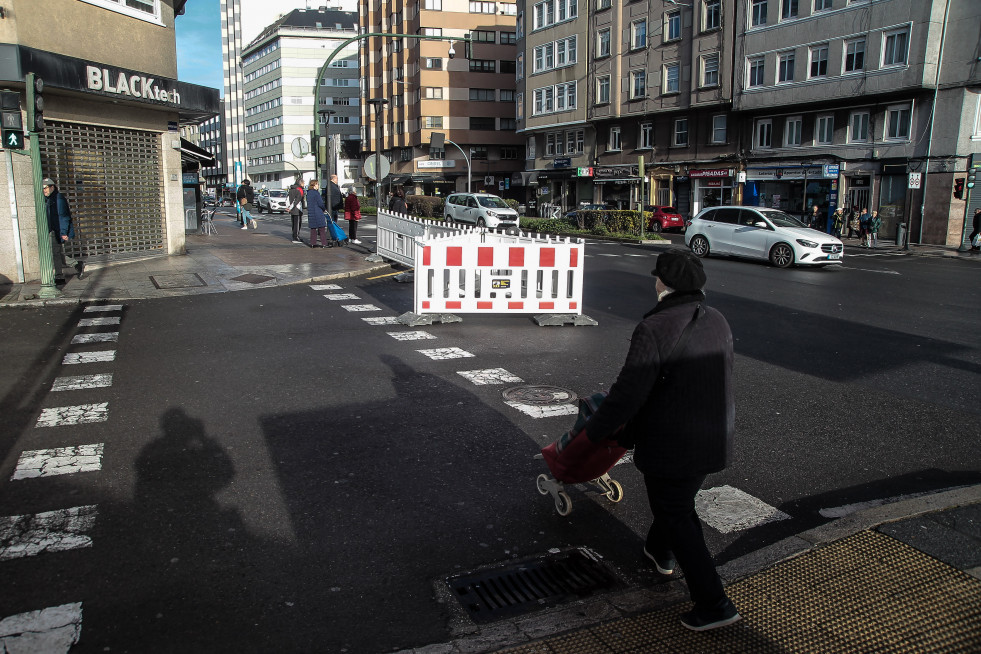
[{"x": 685, "y": 425}]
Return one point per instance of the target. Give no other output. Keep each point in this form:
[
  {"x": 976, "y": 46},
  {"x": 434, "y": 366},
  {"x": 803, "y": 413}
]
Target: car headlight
[
  {"x": 807, "y": 244},
  {"x": 491, "y": 214}
]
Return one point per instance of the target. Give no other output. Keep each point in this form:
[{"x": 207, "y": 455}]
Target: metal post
[
  {"x": 379, "y": 104},
  {"x": 465, "y": 158},
  {"x": 45, "y": 253},
  {"x": 327, "y": 113}
]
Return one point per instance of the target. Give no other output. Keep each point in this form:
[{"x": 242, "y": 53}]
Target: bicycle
[{"x": 207, "y": 222}]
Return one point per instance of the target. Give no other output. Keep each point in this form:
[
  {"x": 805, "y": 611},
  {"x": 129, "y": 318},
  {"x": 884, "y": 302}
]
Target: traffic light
[
  {"x": 959, "y": 188},
  {"x": 35, "y": 103},
  {"x": 971, "y": 177}
]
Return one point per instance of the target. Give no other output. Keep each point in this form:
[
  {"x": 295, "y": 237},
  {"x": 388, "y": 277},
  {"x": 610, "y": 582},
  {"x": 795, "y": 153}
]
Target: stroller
[
  {"x": 337, "y": 235},
  {"x": 574, "y": 459}
]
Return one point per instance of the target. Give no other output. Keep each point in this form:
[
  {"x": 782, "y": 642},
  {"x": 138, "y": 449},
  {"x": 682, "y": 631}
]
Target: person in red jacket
[
  {"x": 681, "y": 421},
  {"x": 352, "y": 211}
]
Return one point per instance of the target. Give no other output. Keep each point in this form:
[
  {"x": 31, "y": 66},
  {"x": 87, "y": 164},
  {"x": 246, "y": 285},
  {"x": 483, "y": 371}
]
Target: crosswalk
[{"x": 55, "y": 629}]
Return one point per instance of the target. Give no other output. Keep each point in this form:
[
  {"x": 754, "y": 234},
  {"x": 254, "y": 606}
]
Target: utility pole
[{"x": 35, "y": 123}]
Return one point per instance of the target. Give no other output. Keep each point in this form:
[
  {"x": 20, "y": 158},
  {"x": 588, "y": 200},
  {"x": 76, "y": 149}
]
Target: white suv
[
  {"x": 273, "y": 201},
  {"x": 480, "y": 209}
]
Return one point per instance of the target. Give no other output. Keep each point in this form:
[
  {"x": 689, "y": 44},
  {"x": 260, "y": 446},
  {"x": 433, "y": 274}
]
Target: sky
[{"x": 199, "y": 44}]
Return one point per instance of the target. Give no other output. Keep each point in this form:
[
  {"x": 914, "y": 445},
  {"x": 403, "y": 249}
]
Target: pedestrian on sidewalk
[
  {"x": 352, "y": 211},
  {"x": 295, "y": 202},
  {"x": 838, "y": 222},
  {"x": 336, "y": 198},
  {"x": 316, "y": 214},
  {"x": 853, "y": 222},
  {"x": 60, "y": 229},
  {"x": 397, "y": 203},
  {"x": 975, "y": 245},
  {"x": 874, "y": 224},
  {"x": 863, "y": 227},
  {"x": 246, "y": 202},
  {"x": 681, "y": 422}
]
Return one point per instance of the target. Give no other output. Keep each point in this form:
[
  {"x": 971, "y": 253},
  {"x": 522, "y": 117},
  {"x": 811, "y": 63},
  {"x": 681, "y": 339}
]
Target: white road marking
[
  {"x": 884, "y": 272},
  {"x": 104, "y": 307},
  {"x": 382, "y": 320},
  {"x": 411, "y": 336},
  {"x": 59, "y": 461},
  {"x": 848, "y": 509},
  {"x": 729, "y": 509},
  {"x": 325, "y": 287},
  {"x": 73, "y": 415},
  {"x": 608, "y": 254},
  {"x": 537, "y": 411},
  {"x": 81, "y": 382},
  {"x": 51, "y": 531},
  {"x": 96, "y": 322},
  {"x": 360, "y": 307},
  {"x": 89, "y": 357},
  {"x": 342, "y": 296},
  {"x": 51, "y": 631},
  {"x": 490, "y": 376},
  {"x": 442, "y": 353},
  {"x": 106, "y": 337}
]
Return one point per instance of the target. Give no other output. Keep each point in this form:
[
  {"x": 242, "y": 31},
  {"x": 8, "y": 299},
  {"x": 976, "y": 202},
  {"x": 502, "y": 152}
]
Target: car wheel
[
  {"x": 700, "y": 246},
  {"x": 781, "y": 255},
  {"x": 656, "y": 227},
  {"x": 481, "y": 223}
]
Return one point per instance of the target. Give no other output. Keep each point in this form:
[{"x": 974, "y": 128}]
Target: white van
[{"x": 480, "y": 209}]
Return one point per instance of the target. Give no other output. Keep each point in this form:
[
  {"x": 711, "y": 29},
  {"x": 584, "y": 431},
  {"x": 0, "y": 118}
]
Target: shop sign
[
  {"x": 831, "y": 170},
  {"x": 711, "y": 183},
  {"x": 584, "y": 172},
  {"x": 121, "y": 82},
  {"x": 436, "y": 163},
  {"x": 712, "y": 172},
  {"x": 561, "y": 162},
  {"x": 773, "y": 174},
  {"x": 617, "y": 171}
]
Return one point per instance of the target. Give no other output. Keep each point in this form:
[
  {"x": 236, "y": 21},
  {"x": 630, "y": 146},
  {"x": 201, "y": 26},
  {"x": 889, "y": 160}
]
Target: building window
[
  {"x": 638, "y": 84},
  {"x": 483, "y": 66},
  {"x": 672, "y": 83},
  {"x": 509, "y": 66},
  {"x": 483, "y": 36},
  {"x": 638, "y": 34},
  {"x": 672, "y": 25},
  {"x": 478, "y": 152},
  {"x": 792, "y": 131},
  {"x": 431, "y": 31},
  {"x": 437, "y": 153},
  {"x": 434, "y": 92},
  {"x": 509, "y": 123},
  {"x": 530, "y": 148},
  {"x": 819, "y": 60},
  {"x": 509, "y": 38},
  {"x": 613, "y": 144},
  {"x": 432, "y": 122},
  {"x": 550, "y": 145},
  {"x": 142, "y": 9},
  {"x": 433, "y": 5},
  {"x": 898, "y": 122},
  {"x": 758, "y": 13},
  {"x": 764, "y": 134},
  {"x": 483, "y": 7},
  {"x": 509, "y": 8},
  {"x": 712, "y": 14},
  {"x": 858, "y": 127},
  {"x": 433, "y": 64},
  {"x": 719, "y": 128},
  {"x": 895, "y": 48},
  {"x": 405, "y": 154},
  {"x": 646, "y": 137},
  {"x": 756, "y": 69},
  {"x": 681, "y": 132},
  {"x": 482, "y": 95},
  {"x": 509, "y": 152},
  {"x": 565, "y": 51},
  {"x": 603, "y": 43},
  {"x": 824, "y": 134},
  {"x": 560, "y": 97},
  {"x": 603, "y": 90},
  {"x": 507, "y": 95},
  {"x": 482, "y": 123},
  {"x": 785, "y": 70},
  {"x": 855, "y": 55},
  {"x": 788, "y": 9},
  {"x": 546, "y": 13},
  {"x": 822, "y": 5},
  {"x": 519, "y": 106},
  {"x": 710, "y": 70},
  {"x": 603, "y": 4}
]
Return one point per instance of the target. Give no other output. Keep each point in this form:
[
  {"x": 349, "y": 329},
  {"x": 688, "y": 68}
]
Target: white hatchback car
[
  {"x": 480, "y": 209},
  {"x": 761, "y": 233}
]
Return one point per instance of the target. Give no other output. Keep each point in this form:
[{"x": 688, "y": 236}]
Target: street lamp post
[
  {"x": 379, "y": 105},
  {"x": 465, "y": 158},
  {"x": 327, "y": 113}
]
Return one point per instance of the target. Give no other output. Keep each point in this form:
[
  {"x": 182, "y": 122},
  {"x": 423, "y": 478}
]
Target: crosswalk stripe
[
  {"x": 104, "y": 337},
  {"x": 89, "y": 357},
  {"x": 97, "y": 322},
  {"x": 360, "y": 307},
  {"x": 81, "y": 382},
  {"x": 325, "y": 287},
  {"x": 52, "y": 630},
  {"x": 411, "y": 336},
  {"x": 59, "y": 461},
  {"x": 490, "y": 376},
  {"x": 442, "y": 353},
  {"x": 342, "y": 296},
  {"x": 103, "y": 307},
  {"x": 79, "y": 414},
  {"x": 382, "y": 320},
  {"x": 50, "y": 531},
  {"x": 728, "y": 509}
]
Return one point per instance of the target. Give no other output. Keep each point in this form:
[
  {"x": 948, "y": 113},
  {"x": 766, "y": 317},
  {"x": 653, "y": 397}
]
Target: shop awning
[
  {"x": 396, "y": 179},
  {"x": 191, "y": 152}
]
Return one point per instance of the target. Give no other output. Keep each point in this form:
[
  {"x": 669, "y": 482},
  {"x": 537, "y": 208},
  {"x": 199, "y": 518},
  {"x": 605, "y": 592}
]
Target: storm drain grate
[
  {"x": 252, "y": 279},
  {"x": 532, "y": 585},
  {"x": 177, "y": 280}
]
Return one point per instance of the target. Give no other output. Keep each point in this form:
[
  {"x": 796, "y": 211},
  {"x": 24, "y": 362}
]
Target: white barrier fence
[
  {"x": 398, "y": 234},
  {"x": 486, "y": 272}
]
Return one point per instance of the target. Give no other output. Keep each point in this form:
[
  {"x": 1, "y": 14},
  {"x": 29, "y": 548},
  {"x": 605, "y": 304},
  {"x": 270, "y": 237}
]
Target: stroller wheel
[
  {"x": 563, "y": 503},
  {"x": 616, "y": 491},
  {"x": 540, "y": 482}
]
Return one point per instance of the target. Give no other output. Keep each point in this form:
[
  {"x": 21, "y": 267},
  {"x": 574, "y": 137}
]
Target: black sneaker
[
  {"x": 704, "y": 621},
  {"x": 80, "y": 268},
  {"x": 664, "y": 565}
]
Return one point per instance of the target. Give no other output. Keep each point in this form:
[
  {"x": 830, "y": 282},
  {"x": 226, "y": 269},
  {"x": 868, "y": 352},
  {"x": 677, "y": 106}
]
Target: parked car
[
  {"x": 480, "y": 209},
  {"x": 761, "y": 233},
  {"x": 275, "y": 200},
  {"x": 574, "y": 214},
  {"x": 663, "y": 218}
]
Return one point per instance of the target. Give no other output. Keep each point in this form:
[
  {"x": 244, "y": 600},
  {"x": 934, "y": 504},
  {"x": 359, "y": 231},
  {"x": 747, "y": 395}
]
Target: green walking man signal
[{"x": 13, "y": 126}]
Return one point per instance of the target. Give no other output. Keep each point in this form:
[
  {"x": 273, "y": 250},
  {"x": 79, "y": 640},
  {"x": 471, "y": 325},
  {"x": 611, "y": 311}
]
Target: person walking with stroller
[
  {"x": 352, "y": 211},
  {"x": 60, "y": 229},
  {"x": 246, "y": 200},
  {"x": 316, "y": 215},
  {"x": 295, "y": 202},
  {"x": 682, "y": 430}
]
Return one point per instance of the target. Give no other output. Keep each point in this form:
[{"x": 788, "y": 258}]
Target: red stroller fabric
[{"x": 574, "y": 458}]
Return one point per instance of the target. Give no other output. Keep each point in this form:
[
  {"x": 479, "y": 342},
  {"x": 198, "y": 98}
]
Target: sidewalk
[
  {"x": 902, "y": 577},
  {"x": 887, "y": 246},
  {"x": 232, "y": 260}
]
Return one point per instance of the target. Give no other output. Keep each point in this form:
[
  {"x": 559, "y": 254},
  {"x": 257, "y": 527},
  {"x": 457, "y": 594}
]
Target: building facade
[
  {"x": 470, "y": 100},
  {"x": 112, "y": 108}
]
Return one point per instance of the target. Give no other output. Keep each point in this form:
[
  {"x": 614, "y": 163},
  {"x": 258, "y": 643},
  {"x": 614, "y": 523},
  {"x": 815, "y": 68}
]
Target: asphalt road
[{"x": 280, "y": 475}]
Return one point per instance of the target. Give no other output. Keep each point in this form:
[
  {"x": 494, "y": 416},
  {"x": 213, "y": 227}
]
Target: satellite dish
[
  {"x": 300, "y": 147},
  {"x": 369, "y": 167}
]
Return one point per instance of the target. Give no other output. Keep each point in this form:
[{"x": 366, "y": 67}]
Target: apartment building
[
  {"x": 470, "y": 100},
  {"x": 280, "y": 70},
  {"x": 211, "y": 137},
  {"x": 839, "y": 100}
]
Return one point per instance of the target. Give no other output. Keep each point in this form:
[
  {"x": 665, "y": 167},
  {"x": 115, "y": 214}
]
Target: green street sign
[{"x": 13, "y": 139}]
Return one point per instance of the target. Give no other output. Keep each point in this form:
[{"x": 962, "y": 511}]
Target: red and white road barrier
[
  {"x": 485, "y": 272},
  {"x": 398, "y": 234}
]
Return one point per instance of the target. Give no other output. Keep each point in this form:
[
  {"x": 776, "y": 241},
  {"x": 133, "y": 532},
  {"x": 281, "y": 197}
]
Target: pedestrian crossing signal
[{"x": 13, "y": 139}]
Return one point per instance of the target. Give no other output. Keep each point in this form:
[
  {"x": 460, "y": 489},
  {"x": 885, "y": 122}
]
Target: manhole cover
[
  {"x": 530, "y": 586},
  {"x": 177, "y": 280},
  {"x": 252, "y": 279},
  {"x": 539, "y": 395}
]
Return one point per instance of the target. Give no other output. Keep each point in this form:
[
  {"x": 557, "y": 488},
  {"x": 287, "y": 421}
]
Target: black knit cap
[{"x": 680, "y": 269}]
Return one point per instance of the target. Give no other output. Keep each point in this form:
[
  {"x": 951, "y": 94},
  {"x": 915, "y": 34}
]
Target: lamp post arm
[{"x": 465, "y": 158}]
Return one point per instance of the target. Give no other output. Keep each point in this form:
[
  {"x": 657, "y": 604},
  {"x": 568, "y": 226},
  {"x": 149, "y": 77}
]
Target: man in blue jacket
[
  {"x": 60, "y": 229},
  {"x": 679, "y": 413}
]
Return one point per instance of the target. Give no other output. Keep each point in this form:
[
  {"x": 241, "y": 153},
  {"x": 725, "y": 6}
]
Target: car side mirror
[{"x": 760, "y": 223}]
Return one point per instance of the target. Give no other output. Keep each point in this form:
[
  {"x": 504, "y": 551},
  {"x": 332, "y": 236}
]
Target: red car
[{"x": 664, "y": 218}]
